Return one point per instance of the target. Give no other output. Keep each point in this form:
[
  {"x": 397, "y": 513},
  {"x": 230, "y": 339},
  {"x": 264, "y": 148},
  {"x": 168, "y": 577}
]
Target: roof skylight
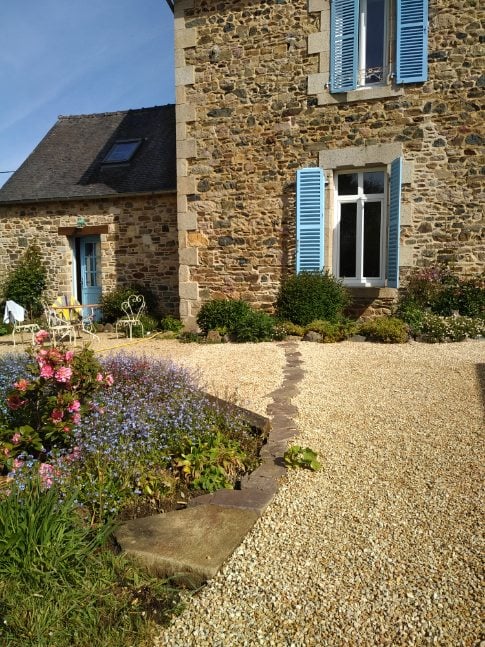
[{"x": 122, "y": 151}]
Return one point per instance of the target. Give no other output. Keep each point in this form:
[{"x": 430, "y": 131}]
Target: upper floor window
[{"x": 361, "y": 37}]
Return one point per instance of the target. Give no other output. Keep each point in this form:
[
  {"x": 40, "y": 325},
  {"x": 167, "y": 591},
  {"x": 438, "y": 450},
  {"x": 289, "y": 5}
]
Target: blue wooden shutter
[
  {"x": 394, "y": 224},
  {"x": 310, "y": 194},
  {"x": 344, "y": 33},
  {"x": 412, "y": 41}
]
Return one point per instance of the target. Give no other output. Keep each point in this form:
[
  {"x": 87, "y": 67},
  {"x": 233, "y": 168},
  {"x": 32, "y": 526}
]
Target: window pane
[
  {"x": 374, "y": 48},
  {"x": 372, "y": 239},
  {"x": 374, "y": 182},
  {"x": 348, "y": 233},
  {"x": 348, "y": 184}
]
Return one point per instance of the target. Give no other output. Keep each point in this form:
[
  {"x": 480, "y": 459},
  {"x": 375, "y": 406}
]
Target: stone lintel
[
  {"x": 316, "y": 5},
  {"x": 359, "y": 156}
]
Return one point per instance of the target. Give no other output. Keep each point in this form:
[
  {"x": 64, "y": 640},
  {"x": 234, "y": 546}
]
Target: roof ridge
[{"x": 115, "y": 112}]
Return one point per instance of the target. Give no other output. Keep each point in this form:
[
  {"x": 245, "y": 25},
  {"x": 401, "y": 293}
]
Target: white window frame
[
  {"x": 360, "y": 198},
  {"x": 361, "y": 70}
]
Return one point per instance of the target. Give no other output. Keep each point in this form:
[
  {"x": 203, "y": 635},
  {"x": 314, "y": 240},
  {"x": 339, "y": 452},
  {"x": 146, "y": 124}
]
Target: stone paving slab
[{"x": 189, "y": 546}]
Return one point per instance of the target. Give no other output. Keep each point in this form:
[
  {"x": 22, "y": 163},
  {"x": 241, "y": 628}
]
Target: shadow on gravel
[{"x": 480, "y": 368}]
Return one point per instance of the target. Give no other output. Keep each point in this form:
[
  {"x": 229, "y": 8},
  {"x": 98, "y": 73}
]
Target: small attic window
[{"x": 122, "y": 151}]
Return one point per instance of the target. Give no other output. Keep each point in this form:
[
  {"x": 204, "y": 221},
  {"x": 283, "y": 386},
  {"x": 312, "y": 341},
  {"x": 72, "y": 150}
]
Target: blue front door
[{"x": 90, "y": 257}]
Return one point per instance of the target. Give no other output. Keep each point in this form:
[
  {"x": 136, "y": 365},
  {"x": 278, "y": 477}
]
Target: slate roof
[{"x": 68, "y": 162}]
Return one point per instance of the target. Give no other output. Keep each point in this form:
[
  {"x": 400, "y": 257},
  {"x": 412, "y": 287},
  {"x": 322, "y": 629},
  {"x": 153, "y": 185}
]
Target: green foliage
[
  {"x": 42, "y": 533},
  {"x": 292, "y": 329},
  {"x": 189, "y": 337},
  {"x": 111, "y": 301},
  {"x": 434, "y": 328},
  {"x": 388, "y": 330},
  {"x": 211, "y": 463},
  {"x": 5, "y": 330},
  {"x": 255, "y": 326},
  {"x": 442, "y": 292},
  {"x": 224, "y": 315},
  {"x": 27, "y": 281},
  {"x": 298, "y": 456},
  {"x": 171, "y": 324},
  {"x": 332, "y": 331},
  {"x": 149, "y": 325},
  {"x": 309, "y": 296},
  {"x": 42, "y": 411},
  {"x": 59, "y": 586}
]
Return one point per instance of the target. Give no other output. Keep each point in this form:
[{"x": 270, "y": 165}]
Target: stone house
[
  {"x": 310, "y": 134},
  {"x": 98, "y": 195},
  {"x": 343, "y": 134}
]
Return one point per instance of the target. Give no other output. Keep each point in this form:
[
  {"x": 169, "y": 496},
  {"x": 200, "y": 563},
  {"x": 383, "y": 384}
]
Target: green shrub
[
  {"x": 111, "y": 301},
  {"x": 222, "y": 314},
  {"x": 27, "y": 281},
  {"x": 388, "y": 330},
  {"x": 413, "y": 315},
  {"x": 171, "y": 324},
  {"x": 309, "y": 296},
  {"x": 297, "y": 456},
  {"x": 443, "y": 292},
  {"x": 255, "y": 326},
  {"x": 5, "y": 330},
  {"x": 435, "y": 328},
  {"x": 292, "y": 329},
  {"x": 149, "y": 325},
  {"x": 332, "y": 331}
]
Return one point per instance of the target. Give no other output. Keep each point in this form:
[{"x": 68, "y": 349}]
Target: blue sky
[{"x": 69, "y": 57}]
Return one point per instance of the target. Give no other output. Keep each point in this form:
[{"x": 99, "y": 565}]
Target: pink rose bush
[{"x": 43, "y": 410}]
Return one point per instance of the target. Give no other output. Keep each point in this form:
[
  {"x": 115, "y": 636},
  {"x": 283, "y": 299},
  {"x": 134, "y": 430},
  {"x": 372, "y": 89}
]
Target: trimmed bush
[
  {"x": 223, "y": 315},
  {"x": 171, "y": 324},
  {"x": 387, "y": 330},
  {"x": 332, "y": 331},
  {"x": 311, "y": 296},
  {"x": 255, "y": 326},
  {"x": 292, "y": 329}
]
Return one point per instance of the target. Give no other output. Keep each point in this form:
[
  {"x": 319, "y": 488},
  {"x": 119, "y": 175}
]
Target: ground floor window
[{"x": 360, "y": 227}]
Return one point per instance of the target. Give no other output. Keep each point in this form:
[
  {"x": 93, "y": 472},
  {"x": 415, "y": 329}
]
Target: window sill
[
  {"x": 375, "y": 293},
  {"x": 363, "y": 94}
]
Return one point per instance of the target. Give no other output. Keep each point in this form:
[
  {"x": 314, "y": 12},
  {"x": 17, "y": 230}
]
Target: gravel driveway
[{"x": 384, "y": 545}]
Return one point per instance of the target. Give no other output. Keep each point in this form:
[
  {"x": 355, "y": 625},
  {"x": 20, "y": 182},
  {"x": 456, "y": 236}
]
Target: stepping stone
[{"x": 188, "y": 546}]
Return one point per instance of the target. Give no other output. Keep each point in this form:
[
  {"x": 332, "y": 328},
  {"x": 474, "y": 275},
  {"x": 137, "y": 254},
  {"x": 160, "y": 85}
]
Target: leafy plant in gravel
[
  {"x": 309, "y": 296},
  {"x": 433, "y": 328},
  {"x": 171, "y": 324},
  {"x": 255, "y": 326},
  {"x": 111, "y": 301},
  {"x": 297, "y": 456},
  {"x": 387, "y": 330}
]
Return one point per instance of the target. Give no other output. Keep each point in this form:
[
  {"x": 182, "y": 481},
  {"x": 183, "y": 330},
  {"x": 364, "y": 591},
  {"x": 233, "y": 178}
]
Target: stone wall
[
  {"x": 252, "y": 108},
  {"x": 138, "y": 246}
]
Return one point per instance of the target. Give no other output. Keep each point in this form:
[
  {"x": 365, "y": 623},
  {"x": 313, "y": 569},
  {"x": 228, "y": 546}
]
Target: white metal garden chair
[
  {"x": 15, "y": 315},
  {"x": 133, "y": 308},
  {"x": 58, "y": 327}
]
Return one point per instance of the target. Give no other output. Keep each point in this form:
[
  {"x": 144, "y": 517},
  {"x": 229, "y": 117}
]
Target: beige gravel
[{"x": 383, "y": 546}]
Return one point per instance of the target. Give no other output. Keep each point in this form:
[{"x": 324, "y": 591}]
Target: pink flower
[
  {"x": 16, "y": 438},
  {"x": 109, "y": 379},
  {"x": 41, "y": 336},
  {"x": 46, "y": 371},
  {"x": 46, "y": 473},
  {"x": 22, "y": 385},
  {"x": 57, "y": 415},
  {"x": 74, "y": 406},
  {"x": 14, "y": 402},
  {"x": 99, "y": 377},
  {"x": 76, "y": 418},
  {"x": 69, "y": 355},
  {"x": 63, "y": 374},
  {"x": 17, "y": 463}
]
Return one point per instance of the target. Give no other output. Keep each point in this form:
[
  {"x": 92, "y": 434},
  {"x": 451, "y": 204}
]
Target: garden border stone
[{"x": 191, "y": 545}]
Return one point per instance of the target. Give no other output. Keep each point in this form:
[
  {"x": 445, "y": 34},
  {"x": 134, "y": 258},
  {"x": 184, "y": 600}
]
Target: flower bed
[{"x": 110, "y": 440}]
